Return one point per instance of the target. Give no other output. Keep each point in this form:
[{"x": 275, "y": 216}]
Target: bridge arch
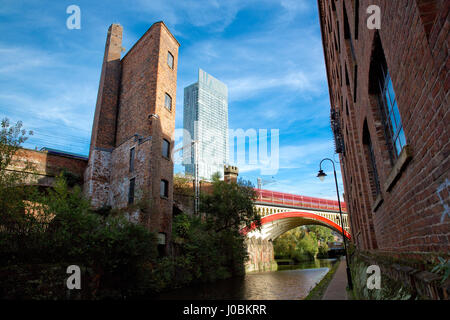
[{"x": 274, "y": 225}]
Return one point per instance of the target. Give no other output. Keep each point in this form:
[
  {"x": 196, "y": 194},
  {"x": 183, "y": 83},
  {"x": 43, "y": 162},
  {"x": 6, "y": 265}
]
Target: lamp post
[{"x": 321, "y": 175}]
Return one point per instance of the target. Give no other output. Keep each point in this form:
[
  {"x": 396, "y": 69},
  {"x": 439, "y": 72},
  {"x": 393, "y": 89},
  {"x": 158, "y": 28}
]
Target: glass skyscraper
[{"x": 205, "y": 120}]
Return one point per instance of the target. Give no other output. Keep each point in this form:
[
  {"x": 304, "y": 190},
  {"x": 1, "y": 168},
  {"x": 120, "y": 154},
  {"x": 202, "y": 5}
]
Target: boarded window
[
  {"x": 131, "y": 192},
  {"x": 132, "y": 155}
]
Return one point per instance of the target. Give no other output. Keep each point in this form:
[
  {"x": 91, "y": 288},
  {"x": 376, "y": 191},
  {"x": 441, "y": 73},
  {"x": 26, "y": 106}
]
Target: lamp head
[{"x": 321, "y": 175}]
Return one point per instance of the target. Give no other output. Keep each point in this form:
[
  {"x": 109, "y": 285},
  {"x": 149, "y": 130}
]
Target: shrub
[{"x": 113, "y": 247}]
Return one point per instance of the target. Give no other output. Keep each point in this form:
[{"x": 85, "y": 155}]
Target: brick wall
[
  {"x": 131, "y": 113},
  {"x": 410, "y": 215},
  {"x": 47, "y": 165}
]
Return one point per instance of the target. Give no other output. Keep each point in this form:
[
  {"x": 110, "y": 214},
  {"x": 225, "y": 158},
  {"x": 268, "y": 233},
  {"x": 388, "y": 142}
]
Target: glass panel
[
  {"x": 398, "y": 147},
  {"x": 170, "y": 60},
  {"x": 393, "y": 124},
  {"x": 402, "y": 137},
  {"x": 131, "y": 159},
  {"x": 168, "y": 102},
  {"x": 131, "y": 192},
  {"x": 388, "y": 101},
  {"x": 165, "y": 148},
  {"x": 390, "y": 88},
  {"x": 163, "y": 190},
  {"x": 397, "y": 115}
]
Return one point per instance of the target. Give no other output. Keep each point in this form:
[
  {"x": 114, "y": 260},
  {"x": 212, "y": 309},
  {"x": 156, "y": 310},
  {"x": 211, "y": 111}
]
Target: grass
[{"x": 319, "y": 290}]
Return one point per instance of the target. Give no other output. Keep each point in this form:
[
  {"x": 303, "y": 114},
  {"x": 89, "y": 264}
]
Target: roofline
[
  {"x": 146, "y": 32},
  {"x": 319, "y": 5},
  {"x": 56, "y": 152}
]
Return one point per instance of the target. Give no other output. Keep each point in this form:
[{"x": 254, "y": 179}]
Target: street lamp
[{"x": 321, "y": 175}]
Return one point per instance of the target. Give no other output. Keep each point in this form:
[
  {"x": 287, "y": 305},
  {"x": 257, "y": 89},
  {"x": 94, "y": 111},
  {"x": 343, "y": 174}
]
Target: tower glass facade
[{"x": 205, "y": 121}]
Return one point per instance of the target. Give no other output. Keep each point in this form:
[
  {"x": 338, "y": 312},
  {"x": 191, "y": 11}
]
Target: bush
[
  {"x": 301, "y": 244},
  {"x": 201, "y": 255},
  {"x": 67, "y": 230}
]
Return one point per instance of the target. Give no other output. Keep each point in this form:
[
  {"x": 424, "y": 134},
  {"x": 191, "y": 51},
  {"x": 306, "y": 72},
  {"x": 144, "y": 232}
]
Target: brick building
[
  {"x": 134, "y": 125},
  {"x": 389, "y": 90}
]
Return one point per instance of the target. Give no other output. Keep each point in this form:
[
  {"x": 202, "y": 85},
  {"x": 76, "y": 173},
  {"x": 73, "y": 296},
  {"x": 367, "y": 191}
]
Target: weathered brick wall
[
  {"x": 121, "y": 175},
  {"x": 47, "y": 165},
  {"x": 412, "y": 215},
  {"x": 135, "y": 91},
  {"x": 96, "y": 177},
  {"x": 260, "y": 255},
  {"x": 97, "y": 174}
]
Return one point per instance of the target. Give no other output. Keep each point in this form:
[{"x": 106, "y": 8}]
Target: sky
[{"x": 268, "y": 52}]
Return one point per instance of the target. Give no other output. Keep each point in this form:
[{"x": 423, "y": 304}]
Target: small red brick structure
[
  {"x": 134, "y": 125},
  {"x": 47, "y": 164},
  {"x": 390, "y": 116}
]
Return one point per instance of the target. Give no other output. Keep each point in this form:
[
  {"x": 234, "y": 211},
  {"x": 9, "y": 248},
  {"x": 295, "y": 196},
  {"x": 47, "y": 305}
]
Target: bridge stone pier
[
  {"x": 260, "y": 255},
  {"x": 281, "y": 212}
]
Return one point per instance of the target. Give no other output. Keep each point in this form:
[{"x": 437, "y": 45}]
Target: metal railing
[{"x": 287, "y": 199}]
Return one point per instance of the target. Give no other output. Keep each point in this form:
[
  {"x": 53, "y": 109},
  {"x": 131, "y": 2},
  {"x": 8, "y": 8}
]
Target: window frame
[
  {"x": 131, "y": 189},
  {"x": 165, "y": 101},
  {"x": 389, "y": 114},
  {"x": 168, "y": 149},
  {"x": 132, "y": 158},
  {"x": 169, "y": 54},
  {"x": 165, "y": 193},
  {"x": 373, "y": 164}
]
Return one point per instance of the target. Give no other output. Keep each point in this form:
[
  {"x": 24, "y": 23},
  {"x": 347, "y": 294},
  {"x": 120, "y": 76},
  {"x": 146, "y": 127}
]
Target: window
[
  {"x": 131, "y": 159},
  {"x": 372, "y": 165},
  {"x": 170, "y": 60},
  {"x": 391, "y": 115},
  {"x": 166, "y": 148},
  {"x": 131, "y": 192},
  {"x": 168, "y": 102},
  {"x": 164, "y": 188},
  {"x": 162, "y": 244},
  {"x": 382, "y": 89}
]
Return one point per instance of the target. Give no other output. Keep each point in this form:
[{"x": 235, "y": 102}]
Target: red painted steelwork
[
  {"x": 293, "y": 200},
  {"x": 297, "y": 214}
]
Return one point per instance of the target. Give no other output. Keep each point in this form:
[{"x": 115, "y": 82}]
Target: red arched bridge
[{"x": 282, "y": 212}]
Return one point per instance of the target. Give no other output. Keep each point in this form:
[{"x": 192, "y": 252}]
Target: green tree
[
  {"x": 230, "y": 205},
  {"x": 182, "y": 184},
  {"x": 210, "y": 246},
  {"x": 302, "y": 243},
  {"x": 14, "y": 179}
]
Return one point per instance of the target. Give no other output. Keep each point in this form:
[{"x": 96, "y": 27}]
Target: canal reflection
[{"x": 290, "y": 282}]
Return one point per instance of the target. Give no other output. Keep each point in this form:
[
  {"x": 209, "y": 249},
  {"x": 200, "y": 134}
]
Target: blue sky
[{"x": 268, "y": 52}]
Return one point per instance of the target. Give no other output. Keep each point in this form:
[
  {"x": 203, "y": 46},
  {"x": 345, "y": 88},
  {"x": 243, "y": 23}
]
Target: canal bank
[
  {"x": 320, "y": 290},
  {"x": 289, "y": 282}
]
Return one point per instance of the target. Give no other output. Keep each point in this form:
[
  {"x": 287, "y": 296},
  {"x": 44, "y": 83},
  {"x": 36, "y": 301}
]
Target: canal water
[{"x": 290, "y": 282}]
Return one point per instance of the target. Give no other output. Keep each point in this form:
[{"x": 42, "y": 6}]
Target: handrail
[{"x": 289, "y": 199}]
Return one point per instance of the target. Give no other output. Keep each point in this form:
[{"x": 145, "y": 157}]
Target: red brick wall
[
  {"x": 47, "y": 165},
  {"x": 411, "y": 217},
  {"x": 144, "y": 79}
]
